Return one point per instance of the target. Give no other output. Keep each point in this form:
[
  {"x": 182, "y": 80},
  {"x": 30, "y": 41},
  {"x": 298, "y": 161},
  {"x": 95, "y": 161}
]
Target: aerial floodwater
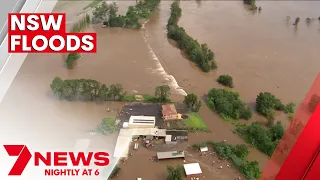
[{"x": 262, "y": 51}]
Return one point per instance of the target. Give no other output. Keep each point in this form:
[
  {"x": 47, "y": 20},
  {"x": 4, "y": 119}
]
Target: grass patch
[
  {"x": 194, "y": 122},
  {"x": 92, "y": 4}
]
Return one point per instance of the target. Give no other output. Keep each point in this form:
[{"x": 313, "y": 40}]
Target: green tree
[
  {"x": 108, "y": 125},
  {"x": 191, "y": 100},
  {"x": 162, "y": 93},
  {"x": 175, "y": 173},
  {"x": 71, "y": 59},
  {"x": 225, "y": 80},
  {"x": 277, "y": 131},
  {"x": 241, "y": 151},
  {"x": 116, "y": 91},
  {"x": 100, "y": 13},
  {"x": 228, "y": 104}
]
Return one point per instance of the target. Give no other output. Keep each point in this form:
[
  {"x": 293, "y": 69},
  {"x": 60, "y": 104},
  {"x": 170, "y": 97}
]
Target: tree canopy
[
  {"x": 228, "y": 104},
  {"x": 266, "y": 103},
  {"x": 225, "y": 80},
  {"x": 175, "y": 173},
  {"x": 162, "y": 93},
  {"x": 108, "y": 125},
  {"x": 191, "y": 100},
  {"x": 86, "y": 89},
  {"x": 108, "y": 14},
  {"x": 265, "y": 139}
]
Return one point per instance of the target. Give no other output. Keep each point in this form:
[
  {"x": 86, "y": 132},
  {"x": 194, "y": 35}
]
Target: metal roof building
[
  {"x": 142, "y": 122},
  {"x": 143, "y": 132},
  {"x": 192, "y": 169},
  {"x": 170, "y": 155}
]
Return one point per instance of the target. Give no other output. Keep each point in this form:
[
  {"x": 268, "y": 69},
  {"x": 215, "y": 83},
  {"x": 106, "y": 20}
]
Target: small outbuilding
[
  {"x": 192, "y": 170},
  {"x": 204, "y": 149}
]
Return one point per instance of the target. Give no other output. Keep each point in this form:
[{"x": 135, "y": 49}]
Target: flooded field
[{"x": 262, "y": 52}]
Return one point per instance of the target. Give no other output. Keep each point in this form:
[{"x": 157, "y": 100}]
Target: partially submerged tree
[
  {"x": 108, "y": 125},
  {"x": 225, "y": 80},
  {"x": 162, "y": 93},
  {"x": 175, "y": 173},
  {"x": 296, "y": 22},
  {"x": 191, "y": 100}
]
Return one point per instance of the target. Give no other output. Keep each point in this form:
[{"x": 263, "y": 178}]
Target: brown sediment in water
[{"x": 262, "y": 52}]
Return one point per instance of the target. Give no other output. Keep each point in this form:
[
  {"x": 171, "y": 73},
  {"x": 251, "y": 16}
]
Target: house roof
[
  {"x": 169, "y": 109},
  {"x": 192, "y": 168},
  {"x": 170, "y": 154},
  {"x": 142, "y": 132},
  {"x": 142, "y": 121}
]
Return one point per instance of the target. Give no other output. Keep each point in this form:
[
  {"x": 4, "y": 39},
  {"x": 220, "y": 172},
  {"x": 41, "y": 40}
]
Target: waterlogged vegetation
[
  {"x": 175, "y": 173},
  {"x": 92, "y": 4},
  {"x": 225, "y": 80},
  {"x": 266, "y": 103},
  {"x": 191, "y": 100},
  {"x": 252, "y": 3},
  {"x": 81, "y": 25},
  {"x": 108, "y": 125},
  {"x": 71, "y": 59},
  {"x": 108, "y": 14},
  {"x": 228, "y": 104},
  {"x": 196, "y": 52},
  {"x": 237, "y": 154},
  {"x": 265, "y": 139}
]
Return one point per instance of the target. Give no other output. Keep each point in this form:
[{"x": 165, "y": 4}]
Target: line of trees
[
  {"x": 265, "y": 139},
  {"x": 77, "y": 27},
  {"x": 196, "y": 52},
  {"x": 108, "y": 14},
  {"x": 228, "y": 104},
  {"x": 92, "y": 90},
  {"x": 86, "y": 89}
]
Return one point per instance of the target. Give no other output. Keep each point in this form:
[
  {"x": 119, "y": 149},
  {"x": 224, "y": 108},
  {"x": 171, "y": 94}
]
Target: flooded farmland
[{"x": 261, "y": 51}]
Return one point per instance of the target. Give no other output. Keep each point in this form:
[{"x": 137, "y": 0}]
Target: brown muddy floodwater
[{"x": 262, "y": 52}]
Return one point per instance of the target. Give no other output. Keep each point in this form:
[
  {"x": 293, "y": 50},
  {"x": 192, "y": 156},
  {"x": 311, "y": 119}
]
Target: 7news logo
[{"x": 57, "y": 159}]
